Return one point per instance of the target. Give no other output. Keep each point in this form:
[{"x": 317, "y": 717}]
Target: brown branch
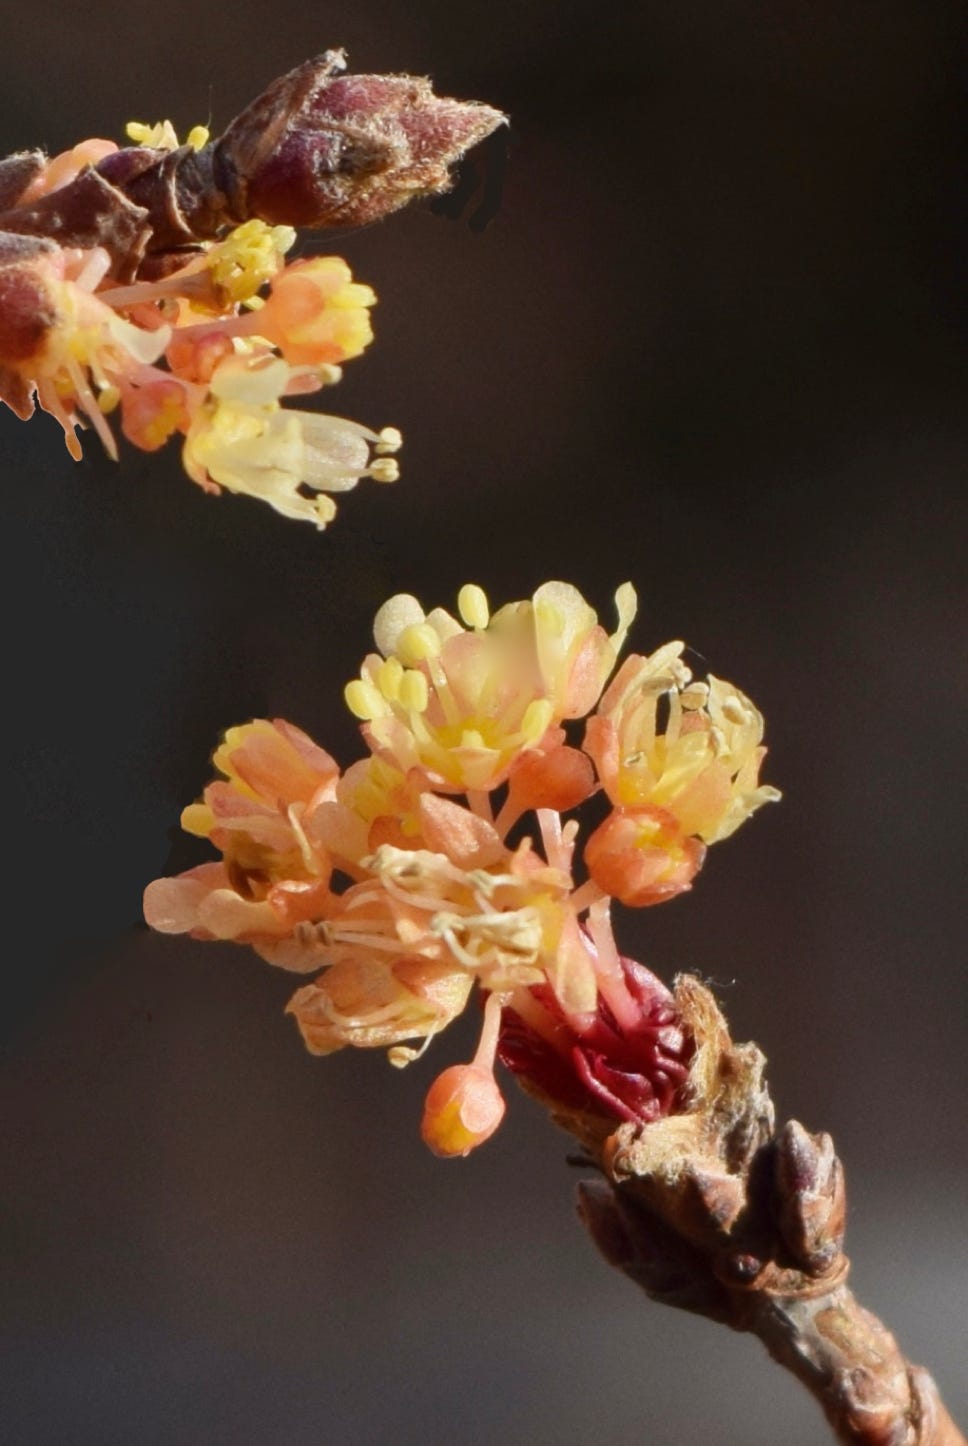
[{"x": 717, "y": 1212}]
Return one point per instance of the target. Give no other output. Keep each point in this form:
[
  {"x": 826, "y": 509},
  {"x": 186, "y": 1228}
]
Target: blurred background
[{"x": 709, "y": 342}]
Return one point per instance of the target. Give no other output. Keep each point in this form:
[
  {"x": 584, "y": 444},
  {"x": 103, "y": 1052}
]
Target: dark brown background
[{"x": 710, "y": 343}]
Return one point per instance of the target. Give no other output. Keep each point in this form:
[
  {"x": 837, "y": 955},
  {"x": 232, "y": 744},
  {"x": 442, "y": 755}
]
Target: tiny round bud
[{"x": 463, "y": 1109}]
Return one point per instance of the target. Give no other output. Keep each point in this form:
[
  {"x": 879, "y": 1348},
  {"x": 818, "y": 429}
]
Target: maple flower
[
  {"x": 376, "y": 1003},
  {"x": 465, "y": 701},
  {"x": 60, "y": 342},
  {"x": 272, "y": 875},
  {"x": 316, "y": 313},
  {"x": 676, "y": 786},
  {"x": 242, "y": 440},
  {"x": 396, "y": 882}
]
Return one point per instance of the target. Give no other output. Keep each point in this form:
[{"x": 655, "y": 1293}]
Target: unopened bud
[
  {"x": 811, "y": 1199},
  {"x": 320, "y": 148},
  {"x": 463, "y": 1109}
]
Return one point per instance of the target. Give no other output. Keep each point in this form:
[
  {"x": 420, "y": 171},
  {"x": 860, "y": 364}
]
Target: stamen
[
  {"x": 389, "y": 439},
  {"x": 473, "y": 606},
  {"x": 417, "y": 644},
  {"x": 389, "y": 677},
  {"x": 414, "y": 694},
  {"x": 364, "y": 700}
]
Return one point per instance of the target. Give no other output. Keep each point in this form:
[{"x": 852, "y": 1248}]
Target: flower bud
[
  {"x": 810, "y": 1197},
  {"x": 319, "y": 148},
  {"x": 463, "y": 1109}
]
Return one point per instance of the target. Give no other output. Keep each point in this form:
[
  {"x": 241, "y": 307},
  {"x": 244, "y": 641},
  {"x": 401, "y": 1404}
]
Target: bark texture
[{"x": 718, "y": 1212}]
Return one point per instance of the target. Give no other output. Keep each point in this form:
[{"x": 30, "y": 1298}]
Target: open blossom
[
  {"x": 677, "y": 783},
  {"x": 182, "y": 355},
  {"x": 465, "y": 701},
  {"x": 60, "y": 342},
  {"x": 242, "y": 439},
  {"x": 273, "y": 875},
  {"x": 397, "y": 885},
  {"x": 130, "y": 277}
]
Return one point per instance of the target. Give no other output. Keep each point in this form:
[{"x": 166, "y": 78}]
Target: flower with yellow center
[
  {"x": 316, "y": 313},
  {"x": 677, "y": 785},
  {"x": 463, "y": 700}
]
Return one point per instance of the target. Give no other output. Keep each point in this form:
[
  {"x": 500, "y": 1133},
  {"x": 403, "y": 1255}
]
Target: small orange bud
[
  {"x": 463, "y": 1109},
  {"x": 639, "y": 856}
]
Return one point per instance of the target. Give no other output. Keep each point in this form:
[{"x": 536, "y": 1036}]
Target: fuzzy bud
[{"x": 320, "y": 148}]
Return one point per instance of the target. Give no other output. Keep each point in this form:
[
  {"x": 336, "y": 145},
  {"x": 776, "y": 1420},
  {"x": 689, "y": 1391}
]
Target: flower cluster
[
  {"x": 201, "y": 351},
  {"x": 413, "y": 875}
]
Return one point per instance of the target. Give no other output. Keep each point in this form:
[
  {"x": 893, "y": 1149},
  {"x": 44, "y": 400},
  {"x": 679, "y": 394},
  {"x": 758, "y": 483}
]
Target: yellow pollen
[
  {"x": 389, "y": 678},
  {"x": 385, "y": 469},
  {"x": 414, "y": 693},
  {"x": 108, "y": 399},
  {"x": 198, "y": 137},
  {"x": 418, "y": 642},
  {"x": 472, "y": 605},
  {"x": 536, "y": 720},
  {"x": 471, "y": 738},
  {"x": 364, "y": 700},
  {"x": 390, "y": 439}
]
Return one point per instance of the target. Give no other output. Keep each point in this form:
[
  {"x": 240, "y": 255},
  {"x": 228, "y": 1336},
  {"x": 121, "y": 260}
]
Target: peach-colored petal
[
  {"x": 468, "y": 841},
  {"x": 172, "y": 905}
]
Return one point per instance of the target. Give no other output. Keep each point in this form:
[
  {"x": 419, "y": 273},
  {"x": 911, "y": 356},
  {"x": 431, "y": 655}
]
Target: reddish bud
[{"x": 319, "y": 148}]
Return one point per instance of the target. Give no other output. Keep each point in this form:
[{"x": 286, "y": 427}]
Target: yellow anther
[
  {"x": 364, "y": 700},
  {"x": 389, "y": 676},
  {"x": 414, "y": 694},
  {"x": 472, "y": 738},
  {"x": 385, "y": 469},
  {"x": 161, "y": 136},
  {"x": 472, "y": 605},
  {"x": 389, "y": 439},
  {"x": 108, "y": 398},
  {"x": 198, "y": 137},
  {"x": 417, "y": 642},
  {"x": 536, "y": 720}
]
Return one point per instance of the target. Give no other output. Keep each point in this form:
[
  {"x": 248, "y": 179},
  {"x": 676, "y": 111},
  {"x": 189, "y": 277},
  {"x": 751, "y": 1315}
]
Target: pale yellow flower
[{"x": 244, "y": 441}]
